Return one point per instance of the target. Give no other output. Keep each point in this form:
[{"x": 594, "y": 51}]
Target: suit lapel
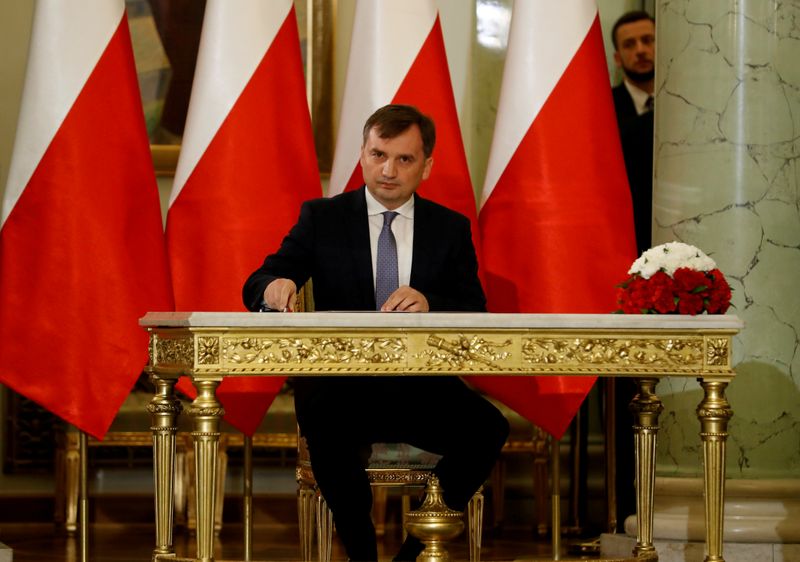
[
  {"x": 357, "y": 229},
  {"x": 422, "y": 232}
]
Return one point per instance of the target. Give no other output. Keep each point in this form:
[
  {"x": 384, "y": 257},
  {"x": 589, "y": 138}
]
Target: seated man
[{"x": 383, "y": 247}]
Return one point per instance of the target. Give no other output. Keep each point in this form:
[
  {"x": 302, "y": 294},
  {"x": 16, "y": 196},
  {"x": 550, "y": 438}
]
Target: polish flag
[
  {"x": 556, "y": 218},
  {"x": 82, "y": 254},
  {"x": 397, "y": 55},
  {"x": 246, "y": 165}
]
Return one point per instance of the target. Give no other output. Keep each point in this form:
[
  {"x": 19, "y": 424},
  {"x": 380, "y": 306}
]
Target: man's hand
[
  {"x": 406, "y": 299},
  {"x": 281, "y": 295}
]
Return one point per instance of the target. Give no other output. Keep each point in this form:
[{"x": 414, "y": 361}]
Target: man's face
[
  {"x": 635, "y": 54},
  {"x": 393, "y": 168}
]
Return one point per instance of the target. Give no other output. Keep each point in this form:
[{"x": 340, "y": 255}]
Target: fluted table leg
[
  {"x": 646, "y": 407},
  {"x": 207, "y": 412},
  {"x": 164, "y": 409},
  {"x": 714, "y": 411}
]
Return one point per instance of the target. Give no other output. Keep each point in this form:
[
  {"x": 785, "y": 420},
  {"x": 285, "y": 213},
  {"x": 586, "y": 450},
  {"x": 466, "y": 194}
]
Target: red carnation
[
  {"x": 661, "y": 288},
  {"x": 719, "y": 297},
  {"x": 690, "y": 281}
]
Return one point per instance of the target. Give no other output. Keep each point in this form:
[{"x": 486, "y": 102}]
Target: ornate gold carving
[
  {"x": 157, "y": 429},
  {"x": 178, "y": 351},
  {"x": 214, "y": 411},
  {"x": 151, "y": 350},
  {"x": 344, "y": 350},
  {"x": 463, "y": 352},
  {"x": 613, "y": 351},
  {"x": 174, "y": 407},
  {"x": 714, "y": 412},
  {"x": 208, "y": 351},
  {"x": 717, "y": 351}
]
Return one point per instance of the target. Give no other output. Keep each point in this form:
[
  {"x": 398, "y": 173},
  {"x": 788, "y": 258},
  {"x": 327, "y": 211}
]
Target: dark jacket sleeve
[
  {"x": 450, "y": 280},
  {"x": 291, "y": 261}
]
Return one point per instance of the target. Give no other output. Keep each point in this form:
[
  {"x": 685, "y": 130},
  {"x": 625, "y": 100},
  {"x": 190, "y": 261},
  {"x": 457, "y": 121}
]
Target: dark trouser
[{"x": 438, "y": 414}]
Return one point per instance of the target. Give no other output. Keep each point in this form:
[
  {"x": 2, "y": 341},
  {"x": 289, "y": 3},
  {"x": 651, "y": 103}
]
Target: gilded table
[{"x": 210, "y": 346}]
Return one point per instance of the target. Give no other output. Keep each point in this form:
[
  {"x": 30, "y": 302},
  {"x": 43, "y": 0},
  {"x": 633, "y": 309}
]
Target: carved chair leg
[
  {"x": 540, "y": 479},
  {"x": 324, "y": 530},
  {"x": 71, "y": 470},
  {"x": 380, "y": 495},
  {"x": 305, "y": 513},
  {"x": 405, "y": 508},
  {"x": 475, "y": 525},
  {"x": 497, "y": 480}
]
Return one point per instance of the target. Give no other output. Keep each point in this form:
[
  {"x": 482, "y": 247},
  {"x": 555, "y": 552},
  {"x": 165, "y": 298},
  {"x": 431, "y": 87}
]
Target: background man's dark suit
[
  {"x": 636, "y": 134},
  {"x": 340, "y": 417}
]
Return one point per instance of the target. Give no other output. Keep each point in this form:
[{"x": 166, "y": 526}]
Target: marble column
[{"x": 727, "y": 179}]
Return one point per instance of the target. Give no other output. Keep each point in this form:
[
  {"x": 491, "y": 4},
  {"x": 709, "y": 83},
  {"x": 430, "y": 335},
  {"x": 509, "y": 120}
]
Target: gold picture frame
[{"x": 316, "y": 22}]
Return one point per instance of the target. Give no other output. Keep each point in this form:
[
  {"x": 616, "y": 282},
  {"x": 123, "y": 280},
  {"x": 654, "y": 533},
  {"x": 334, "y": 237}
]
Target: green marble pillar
[{"x": 726, "y": 179}]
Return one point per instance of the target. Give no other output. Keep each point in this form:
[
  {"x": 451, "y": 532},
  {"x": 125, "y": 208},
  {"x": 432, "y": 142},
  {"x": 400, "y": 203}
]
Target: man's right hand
[{"x": 281, "y": 295}]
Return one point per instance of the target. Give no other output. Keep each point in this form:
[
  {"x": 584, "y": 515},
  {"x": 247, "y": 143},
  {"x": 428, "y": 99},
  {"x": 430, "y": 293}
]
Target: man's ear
[
  {"x": 427, "y": 170},
  {"x": 617, "y": 59}
]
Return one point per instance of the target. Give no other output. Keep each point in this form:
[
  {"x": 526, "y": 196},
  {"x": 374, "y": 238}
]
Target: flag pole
[
  {"x": 83, "y": 498},
  {"x": 247, "y": 515},
  {"x": 555, "y": 451}
]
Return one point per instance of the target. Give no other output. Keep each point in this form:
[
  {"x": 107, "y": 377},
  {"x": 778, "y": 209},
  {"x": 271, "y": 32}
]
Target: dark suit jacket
[
  {"x": 636, "y": 135},
  {"x": 330, "y": 245},
  {"x": 623, "y": 105}
]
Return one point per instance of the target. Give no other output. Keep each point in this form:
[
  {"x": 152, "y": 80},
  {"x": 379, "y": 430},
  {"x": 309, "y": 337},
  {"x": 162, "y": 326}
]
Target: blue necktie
[{"x": 386, "y": 277}]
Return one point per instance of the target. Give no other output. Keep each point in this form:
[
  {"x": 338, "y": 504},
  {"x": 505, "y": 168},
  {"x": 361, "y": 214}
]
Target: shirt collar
[
  {"x": 374, "y": 207},
  {"x": 638, "y": 95}
]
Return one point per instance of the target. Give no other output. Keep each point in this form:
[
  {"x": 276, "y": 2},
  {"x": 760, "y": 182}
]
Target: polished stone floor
[
  {"x": 121, "y": 514},
  {"x": 129, "y": 543}
]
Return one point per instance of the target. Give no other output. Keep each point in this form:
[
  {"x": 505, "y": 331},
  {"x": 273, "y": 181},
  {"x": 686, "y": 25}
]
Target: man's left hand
[{"x": 406, "y": 299}]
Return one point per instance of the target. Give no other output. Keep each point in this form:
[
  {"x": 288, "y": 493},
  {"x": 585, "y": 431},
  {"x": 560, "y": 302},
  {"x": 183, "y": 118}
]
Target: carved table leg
[
  {"x": 646, "y": 407},
  {"x": 207, "y": 412},
  {"x": 164, "y": 409},
  {"x": 714, "y": 411}
]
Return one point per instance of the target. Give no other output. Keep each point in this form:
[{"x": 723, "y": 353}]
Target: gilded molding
[
  {"x": 208, "y": 351},
  {"x": 664, "y": 352},
  {"x": 213, "y": 411},
  {"x": 155, "y": 429},
  {"x": 462, "y": 352},
  {"x": 717, "y": 351},
  {"x": 329, "y": 350},
  {"x": 716, "y": 413},
  {"x": 175, "y": 351},
  {"x": 174, "y": 407}
]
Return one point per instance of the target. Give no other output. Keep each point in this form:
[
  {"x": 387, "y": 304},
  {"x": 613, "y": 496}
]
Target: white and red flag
[
  {"x": 247, "y": 163},
  {"x": 397, "y": 55},
  {"x": 82, "y": 253},
  {"x": 556, "y": 219}
]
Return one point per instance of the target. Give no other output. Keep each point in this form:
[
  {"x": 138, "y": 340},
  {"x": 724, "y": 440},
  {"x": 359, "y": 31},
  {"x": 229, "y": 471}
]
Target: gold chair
[
  {"x": 391, "y": 465},
  {"x": 131, "y": 428},
  {"x": 524, "y": 438}
]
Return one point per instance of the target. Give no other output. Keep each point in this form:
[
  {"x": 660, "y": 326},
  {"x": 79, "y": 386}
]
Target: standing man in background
[{"x": 634, "y": 38}]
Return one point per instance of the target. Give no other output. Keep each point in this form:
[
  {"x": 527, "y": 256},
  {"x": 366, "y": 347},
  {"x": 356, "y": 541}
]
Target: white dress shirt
[
  {"x": 639, "y": 98},
  {"x": 403, "y": 230}
]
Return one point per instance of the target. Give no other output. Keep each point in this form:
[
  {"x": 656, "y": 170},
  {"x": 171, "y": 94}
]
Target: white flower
[{"x": 669, "y": 257}]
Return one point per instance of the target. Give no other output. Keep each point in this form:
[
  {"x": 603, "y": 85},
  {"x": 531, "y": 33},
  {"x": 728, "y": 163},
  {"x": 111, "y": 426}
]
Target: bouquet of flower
[{"x": 674, "y": 278}]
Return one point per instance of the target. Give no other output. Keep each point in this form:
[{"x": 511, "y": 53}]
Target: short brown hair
[
  {"x": 628, "y": 17},
  {"x": 394, "y": 119}
]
